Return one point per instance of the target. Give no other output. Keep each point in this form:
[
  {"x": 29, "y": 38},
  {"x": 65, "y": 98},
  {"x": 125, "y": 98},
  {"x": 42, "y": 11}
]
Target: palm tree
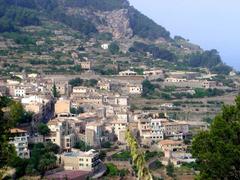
[{"x": 137, "y": 157}]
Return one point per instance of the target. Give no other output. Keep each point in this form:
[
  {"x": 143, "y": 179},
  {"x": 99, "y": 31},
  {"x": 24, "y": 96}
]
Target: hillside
[{"x": 35, "y": 35}]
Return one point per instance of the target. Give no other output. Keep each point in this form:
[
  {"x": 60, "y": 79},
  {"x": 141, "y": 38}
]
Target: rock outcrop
[{"x": 116, "y": 22}]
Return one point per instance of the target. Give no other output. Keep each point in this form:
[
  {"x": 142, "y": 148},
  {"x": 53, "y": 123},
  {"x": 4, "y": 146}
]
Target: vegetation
[
  {"x": 104, "y": 36},
  {"x": 80, "y": 82},
  {"x": 42, "y": 158},
  {"x": 122, "y": 156},
  {"x": 82, "y": 146},
  {"x": 148, "y": 88},
  {"x": 217, "y": 150},
  {"x": 43, "y": 129},
  {"x": 7, "y": 151},
  {"x": 78, "y": 23},
  {"x": 156, "y": 52},
  {"x": 156, "y": 165},
  {"x": 20, "y": 38},
  {"x": 90, "y": 83},
  {"x": 152, "y": 154},
  {"x": 192, "y": 165},
  {"x": 208, "y": 120},
  {"x": 112, "y": 170},
  {"x": 55, "y": 93},
  {"x": 209, "y": 59},
  {"x": 105, "y": 70},
  {"x": 77, "y": 111},
  {"x": 144, "y": 27},
  {"x": 102, "y": 155},
  {"x": 11, "y": 17},
  {"x": 104, "y": 5},
  {"x": 76, "y": 82},
  {"x": 17, "y": 113},
  {"x": 200, "y": 93},
  {"x": 113, "y": 48},
  {"x": 170, "y": 169},
  {"x": 106, "y": 144},
  {"x": 138, "y": 157}
]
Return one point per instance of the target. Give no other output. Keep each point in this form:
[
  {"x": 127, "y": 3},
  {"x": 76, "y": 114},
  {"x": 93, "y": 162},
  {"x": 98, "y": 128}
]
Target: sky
[{"x": 212, "y": 24}]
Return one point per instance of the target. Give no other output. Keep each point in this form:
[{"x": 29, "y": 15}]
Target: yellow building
[{"x": 62, "y": 106}]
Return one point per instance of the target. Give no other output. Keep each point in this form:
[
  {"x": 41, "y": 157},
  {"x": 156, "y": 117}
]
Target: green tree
[
  {"x": 7, "y": 151},
  {"x": 77, "y": 111},
  {"x": 47, "y": 161},
  {"x": 55, "y": 93},
  {"x": 170, "y": 169},
  {"x": 113, "y": 48},
  {"x": 16, "y": 112},
  {"x": 20, "y": 166},
  {"x": 42, "y": 158},
  {"x": 102, "y": 155},
  {"x": 77, "y": 68},
  {"x": 51, "y": 147},
  {"x": 76, "y": 82},
  {"x": 217, "y": 151},
  {"x": 90, "y": 83},
  {"x": 137, "y": 157},
  {"x": 43, "y": 129},
  {"x": 82, "y": 146},
  {"x": 148, "y": 88}
]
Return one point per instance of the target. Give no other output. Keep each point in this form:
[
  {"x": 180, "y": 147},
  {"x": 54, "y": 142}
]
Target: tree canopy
[
  {"x": 218, "y": 150},
  {"x": 43, "y": 129},
  {"x": 55, "y": 93},
  {"x": 209, "y": 59},
  {"x": 113, "y": 48},
  {"x": 146, "y": 28},
  {"x": 148, "y": 88},
  {"x": 7, "y": 151},
  {"x": 156, "y": 52}
]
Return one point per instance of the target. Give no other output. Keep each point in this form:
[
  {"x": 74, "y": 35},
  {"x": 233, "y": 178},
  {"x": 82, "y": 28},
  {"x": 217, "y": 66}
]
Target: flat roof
[
  {"x": 17, "y": 130},
  {"x": 80, "y": 153}
]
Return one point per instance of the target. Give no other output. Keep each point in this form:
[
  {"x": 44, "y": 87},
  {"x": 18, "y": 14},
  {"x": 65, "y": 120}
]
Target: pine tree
[
  {"x": 55, "y": 93},
  {"x": 217, "y": 151}
]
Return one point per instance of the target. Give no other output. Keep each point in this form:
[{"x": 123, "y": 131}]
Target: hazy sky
[{"x": 213, "y": 24}]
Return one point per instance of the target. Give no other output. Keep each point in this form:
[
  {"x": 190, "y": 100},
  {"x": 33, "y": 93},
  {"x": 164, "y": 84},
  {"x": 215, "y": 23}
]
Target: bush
[
  {"x": 104, "y": 36},
  {"x": 21, "y": 38},
  {"x": 156, "y": 165},
  {"x": 78, "y": 110},
  {"x": 122, "y": 156},
  {"x": 157, "y": 53},
  {"x": 152, "y": 154},
  {"x": 113, "y": 48},
  {"x": 148, "y": 88},
  {"x": 82, "y": 146},
  {"x": 106, "y": 145},
  {"x": 76, "y": 82},
  {"x": 112, "y": 170}
]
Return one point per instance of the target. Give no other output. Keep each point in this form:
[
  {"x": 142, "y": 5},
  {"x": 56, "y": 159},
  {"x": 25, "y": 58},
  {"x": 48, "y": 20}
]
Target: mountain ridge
[{"x": 93, "y": 18}]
